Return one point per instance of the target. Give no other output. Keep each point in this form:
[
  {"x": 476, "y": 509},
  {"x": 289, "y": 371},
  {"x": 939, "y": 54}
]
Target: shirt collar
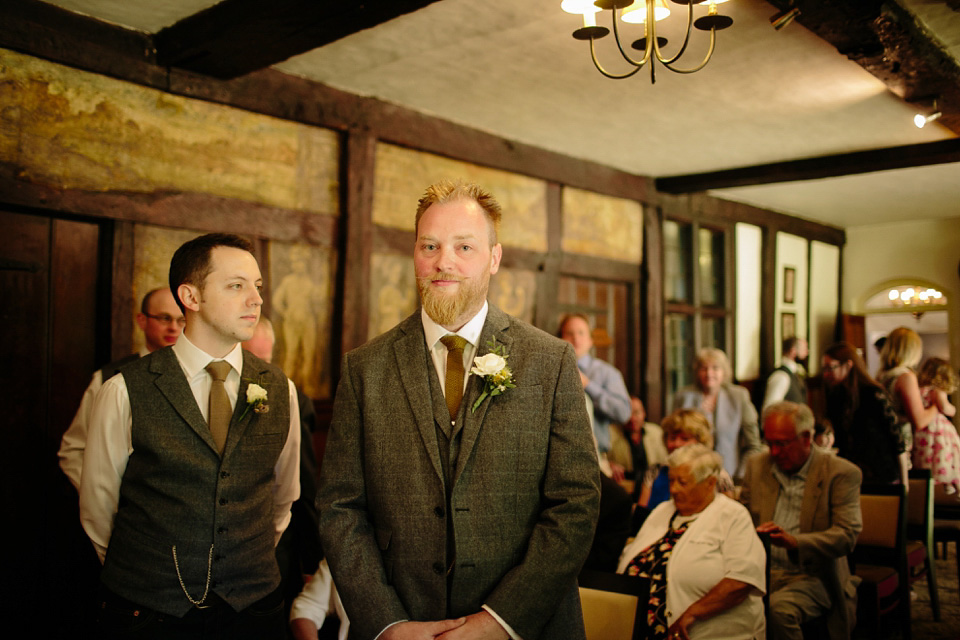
[
  {"x": 789, "y": 364},
  {"x": 193, "y": 359},
  {"x": 469, "y": 332},
  {"x": 584, "y": 361}
]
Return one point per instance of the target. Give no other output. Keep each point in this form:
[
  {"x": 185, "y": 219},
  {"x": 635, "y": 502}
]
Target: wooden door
[{"x": 48, "y": 278}]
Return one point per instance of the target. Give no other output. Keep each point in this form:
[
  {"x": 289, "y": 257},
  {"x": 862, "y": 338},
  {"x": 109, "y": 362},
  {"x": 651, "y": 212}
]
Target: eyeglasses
[
  {"x": 833, "y": 366},
  {"x": 167, "y": 319}
]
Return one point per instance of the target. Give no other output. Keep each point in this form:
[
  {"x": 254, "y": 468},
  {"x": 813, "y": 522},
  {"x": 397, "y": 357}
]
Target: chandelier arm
[
  {"x": 706, "y": 59},
  {"x": 626, "y": 56},
  {"x": 686, "y": 38},
  {"x": 612, "y": 76}
]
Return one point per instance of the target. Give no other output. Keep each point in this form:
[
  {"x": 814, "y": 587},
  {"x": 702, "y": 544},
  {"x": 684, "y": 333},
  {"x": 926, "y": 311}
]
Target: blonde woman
[
  {"x": 726, "y": 405},
  {"x": 898, "y": 362}
]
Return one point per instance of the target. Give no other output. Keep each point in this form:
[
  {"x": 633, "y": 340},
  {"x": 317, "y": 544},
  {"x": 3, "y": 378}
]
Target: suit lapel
[
  {"x": 727, "y": 412},
  {"x": 238, "y": 426},
  {"x": 174, "y": 386},
  {"x": 494, "y": 328},
  {"x": 770, "y": 491},
  {"x": 812, "y": 490},
  {"x": 416, "y": 367}
]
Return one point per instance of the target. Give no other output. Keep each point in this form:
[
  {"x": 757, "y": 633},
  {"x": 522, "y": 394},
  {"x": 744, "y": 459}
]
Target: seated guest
[
  {"x": 809, "y": 503},
  {"x": 318, "y": 600},
  {"x": 682, "y": 427},
  {"x": 705, "y": 562},
  {"x": 726, "y": 405},
  {"x": 646, "y": 442}
]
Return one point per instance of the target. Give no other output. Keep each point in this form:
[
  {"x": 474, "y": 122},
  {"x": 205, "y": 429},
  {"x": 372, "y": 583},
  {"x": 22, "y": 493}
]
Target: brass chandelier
[{"x": 647, "y": 12}]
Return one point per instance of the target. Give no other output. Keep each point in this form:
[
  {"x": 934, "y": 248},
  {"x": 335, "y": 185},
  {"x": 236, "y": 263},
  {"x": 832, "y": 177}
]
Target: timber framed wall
[{"x": 349, "y": 232}]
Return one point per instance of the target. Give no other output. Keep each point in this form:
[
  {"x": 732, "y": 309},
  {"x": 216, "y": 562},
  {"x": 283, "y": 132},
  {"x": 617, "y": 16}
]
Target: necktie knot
[
  {"x": 218, "y": 369},
  {"x": 454, "y": 343}
]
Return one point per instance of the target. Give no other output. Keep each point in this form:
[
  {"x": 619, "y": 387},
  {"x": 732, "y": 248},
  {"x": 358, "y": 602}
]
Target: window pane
[
  {"x": 679, "y": 351},
  {"x": 712, "y": 333},
  {"x": 678, "y": 261},
  {"x": 711, "y": 267}
]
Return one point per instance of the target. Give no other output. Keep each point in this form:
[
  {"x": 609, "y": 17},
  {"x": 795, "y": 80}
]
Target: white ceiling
[{"x": 512, "y": 68}]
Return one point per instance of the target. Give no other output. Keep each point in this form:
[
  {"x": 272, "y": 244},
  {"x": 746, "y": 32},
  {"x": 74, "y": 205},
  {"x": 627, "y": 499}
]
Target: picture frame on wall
[
  {"x": 789, "y": 284},
  {"x": 788, "y": 325}
]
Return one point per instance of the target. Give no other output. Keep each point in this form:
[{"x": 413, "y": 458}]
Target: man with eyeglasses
[
  {"x": 162, "y": 322},
  {"x": 808, "y": 501}
]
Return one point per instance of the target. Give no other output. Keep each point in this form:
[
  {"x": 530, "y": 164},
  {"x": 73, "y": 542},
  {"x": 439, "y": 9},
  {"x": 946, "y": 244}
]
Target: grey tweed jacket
[{"x": 511, "y": 515}]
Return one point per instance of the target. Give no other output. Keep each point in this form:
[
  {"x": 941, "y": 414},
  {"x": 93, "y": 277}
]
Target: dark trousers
[{"x": 121, "y": 619}]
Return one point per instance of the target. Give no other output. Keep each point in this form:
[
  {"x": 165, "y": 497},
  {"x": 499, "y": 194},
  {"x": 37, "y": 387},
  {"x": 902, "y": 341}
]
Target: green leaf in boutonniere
[
  {"x": 492, "y": 367},
  {"x": 256, "y": 398}
]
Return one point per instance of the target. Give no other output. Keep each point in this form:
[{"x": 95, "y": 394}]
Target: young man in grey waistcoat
[{"x": 191, "y": 466}]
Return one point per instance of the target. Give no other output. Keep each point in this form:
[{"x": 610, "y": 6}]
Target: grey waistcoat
[
  {"x": 178, "y": 491},
  {"x": 798, "y": 390}
]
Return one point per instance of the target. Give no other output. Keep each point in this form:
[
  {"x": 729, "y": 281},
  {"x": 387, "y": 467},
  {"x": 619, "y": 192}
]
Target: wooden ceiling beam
[
  {"x": 843, "y": 164},
  {"x": 235, "y": 37}
]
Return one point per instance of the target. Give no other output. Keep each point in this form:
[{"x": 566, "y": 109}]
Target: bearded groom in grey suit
[{"x": 454, "y": 518}]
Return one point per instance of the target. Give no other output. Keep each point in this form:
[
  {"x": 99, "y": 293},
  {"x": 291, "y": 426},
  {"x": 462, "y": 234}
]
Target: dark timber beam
[
  {"x": 843, "y": 164},
  {"x": 235, "y": 37}
]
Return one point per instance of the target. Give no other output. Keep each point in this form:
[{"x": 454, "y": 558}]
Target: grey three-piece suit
[{"x": 506, "y": 499}]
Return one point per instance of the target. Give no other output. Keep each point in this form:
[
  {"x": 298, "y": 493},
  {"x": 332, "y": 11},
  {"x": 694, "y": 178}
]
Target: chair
[
  {"x": 614, "y": 605},
  {"x": 880, "y": 558},
  {"x": 920, "y": 561},
  {"x": 946, "y": 522}
]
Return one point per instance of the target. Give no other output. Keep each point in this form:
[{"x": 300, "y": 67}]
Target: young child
[{"x": 937, "y": 446}]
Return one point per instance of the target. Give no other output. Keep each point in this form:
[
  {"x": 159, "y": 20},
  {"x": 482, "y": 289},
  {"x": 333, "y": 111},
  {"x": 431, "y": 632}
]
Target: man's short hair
[
  {"x": 191, "y": 262},
  {"x": 145, "y": 303},
  {"x": 567, "y": 317},
  {"x": 789, "y": 344},
  {"x": 704, "y": 462},
  {"x": 452, "y": 191},
  {"x": 800, "y": 414}
]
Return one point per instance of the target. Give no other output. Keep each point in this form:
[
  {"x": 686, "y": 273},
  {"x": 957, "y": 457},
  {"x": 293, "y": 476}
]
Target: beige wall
[{"x": 925, "y": 249}]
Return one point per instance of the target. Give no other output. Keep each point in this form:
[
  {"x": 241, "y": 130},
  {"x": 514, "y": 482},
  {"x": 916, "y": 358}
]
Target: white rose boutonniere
[
  {"x": 492, "y": 367},
  {"x": 256, "y": 398}
]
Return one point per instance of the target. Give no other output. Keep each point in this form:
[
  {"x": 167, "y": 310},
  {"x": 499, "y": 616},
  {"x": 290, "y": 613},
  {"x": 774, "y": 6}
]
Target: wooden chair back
[{"x": 614, "y": 605}]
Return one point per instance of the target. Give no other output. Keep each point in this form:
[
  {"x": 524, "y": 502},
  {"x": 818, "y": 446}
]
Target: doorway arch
[{"x": 919, "y": 304}]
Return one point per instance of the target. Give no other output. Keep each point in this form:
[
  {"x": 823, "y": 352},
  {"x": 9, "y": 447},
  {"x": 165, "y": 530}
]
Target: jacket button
[
  {"x": 223, "y": 501},
  {"x": 221, "y": 530},
  {"x": 224, "y": 474},
  {"x": 438, "y": 568},
  {"x": 439, "y": 512}
]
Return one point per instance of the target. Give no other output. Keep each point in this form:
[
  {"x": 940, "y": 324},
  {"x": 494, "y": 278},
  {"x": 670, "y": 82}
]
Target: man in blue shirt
[{"x": 601, "y": 380}]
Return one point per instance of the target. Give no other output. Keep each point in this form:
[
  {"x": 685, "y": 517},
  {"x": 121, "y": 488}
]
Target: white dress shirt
[
  {"x": 75, "y": 437},
  {"x": 110, "y": 443}
]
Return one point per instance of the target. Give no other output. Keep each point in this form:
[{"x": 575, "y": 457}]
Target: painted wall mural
[
  {"x": 71, "y": 129},
  {"x": 403, "y": 174}
]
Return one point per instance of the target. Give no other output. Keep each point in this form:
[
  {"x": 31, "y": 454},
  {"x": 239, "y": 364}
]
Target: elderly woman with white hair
[{"x": 702, "y": 555}]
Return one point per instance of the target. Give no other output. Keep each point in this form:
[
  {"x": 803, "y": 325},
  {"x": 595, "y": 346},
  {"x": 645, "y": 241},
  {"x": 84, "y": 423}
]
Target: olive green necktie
[
  {"x": 453, "y": 386},
  {"x": 220, "y": 411}
]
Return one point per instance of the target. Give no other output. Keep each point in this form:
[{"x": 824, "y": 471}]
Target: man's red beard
[{"x": 446, "y": 309}]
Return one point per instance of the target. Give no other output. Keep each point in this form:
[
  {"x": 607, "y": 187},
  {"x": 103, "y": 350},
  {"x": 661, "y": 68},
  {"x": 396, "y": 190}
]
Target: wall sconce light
[
  {"x": 922, "y": 119},
  {"x": 783, "y": 18}
]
